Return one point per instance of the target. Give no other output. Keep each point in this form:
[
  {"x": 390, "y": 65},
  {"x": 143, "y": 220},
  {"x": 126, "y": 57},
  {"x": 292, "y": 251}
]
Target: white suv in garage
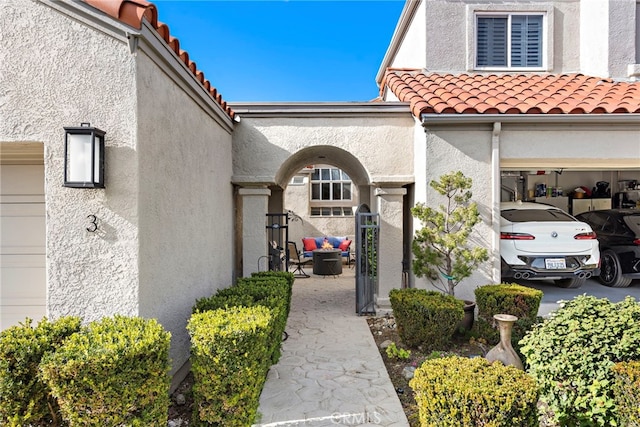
[{"x": 542, "y": 242}]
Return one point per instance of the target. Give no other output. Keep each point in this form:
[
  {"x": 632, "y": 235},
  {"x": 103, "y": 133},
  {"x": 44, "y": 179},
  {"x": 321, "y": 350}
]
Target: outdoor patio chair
[{"x": 295, "y": 260}]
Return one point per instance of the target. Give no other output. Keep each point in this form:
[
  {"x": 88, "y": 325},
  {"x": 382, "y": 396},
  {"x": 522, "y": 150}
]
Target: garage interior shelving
[{"x": 562, "y": 183}]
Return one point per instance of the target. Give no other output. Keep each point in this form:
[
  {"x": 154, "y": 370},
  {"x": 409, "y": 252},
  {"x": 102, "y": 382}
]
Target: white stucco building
[{"x": 189, "y": 178}]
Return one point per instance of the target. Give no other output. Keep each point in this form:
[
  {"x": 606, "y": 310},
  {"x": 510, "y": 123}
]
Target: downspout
[{"x": 495, "y": 200}]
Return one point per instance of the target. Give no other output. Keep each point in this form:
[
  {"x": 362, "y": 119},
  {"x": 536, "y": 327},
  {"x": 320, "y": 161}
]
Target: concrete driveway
[{"x": 554, "y": 294}]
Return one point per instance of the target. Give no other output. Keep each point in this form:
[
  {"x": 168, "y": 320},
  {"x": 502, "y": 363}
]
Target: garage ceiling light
[{"x": 84, "y": 157}]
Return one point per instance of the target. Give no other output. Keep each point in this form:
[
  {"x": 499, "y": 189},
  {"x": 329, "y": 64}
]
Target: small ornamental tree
[{"x": 441, "y": 248}]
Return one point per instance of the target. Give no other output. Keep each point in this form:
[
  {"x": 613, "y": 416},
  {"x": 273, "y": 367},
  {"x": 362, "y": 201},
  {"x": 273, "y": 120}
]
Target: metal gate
[
  {"x": 277, "y": 238},
  {"x": 367, "y": 232}
]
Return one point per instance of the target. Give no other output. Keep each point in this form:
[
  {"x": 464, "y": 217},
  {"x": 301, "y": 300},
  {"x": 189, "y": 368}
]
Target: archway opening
[{"x": 320, "y": 187}]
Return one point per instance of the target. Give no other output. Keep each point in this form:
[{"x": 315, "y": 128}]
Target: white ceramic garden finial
[{"x": 504, "y": 352}]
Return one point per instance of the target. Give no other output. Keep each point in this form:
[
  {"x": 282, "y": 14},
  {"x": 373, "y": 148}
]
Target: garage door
[{"x": 22, "y": 244}]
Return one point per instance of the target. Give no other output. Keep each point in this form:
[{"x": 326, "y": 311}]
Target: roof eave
[
  {"x": 320, "y": 109},
  {"x": 626, "y": 118}
]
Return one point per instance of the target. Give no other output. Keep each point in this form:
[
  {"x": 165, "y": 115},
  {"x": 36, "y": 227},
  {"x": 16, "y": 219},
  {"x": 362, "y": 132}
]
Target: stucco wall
[
  {"x": 57, "y": 72},
  {"x": 412, "y": 50},
  {"x": 384, "y": 146},
  {"x": 165, "y": 220},
  {"x": 607, "y": 44},
  {"x": 467, "y": 149},
  {"x": 186, "y": 203},
  {"x": 450, "y": 35}
]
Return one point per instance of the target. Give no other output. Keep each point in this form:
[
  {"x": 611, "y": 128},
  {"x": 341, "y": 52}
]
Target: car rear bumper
[{"x": 529, "y": 273}]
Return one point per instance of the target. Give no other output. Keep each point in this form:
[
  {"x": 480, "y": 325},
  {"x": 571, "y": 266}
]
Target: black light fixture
[{"x": 83, "y": 157}]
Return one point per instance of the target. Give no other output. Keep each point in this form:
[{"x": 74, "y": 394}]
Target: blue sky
[{"x": 285, "y": 50}]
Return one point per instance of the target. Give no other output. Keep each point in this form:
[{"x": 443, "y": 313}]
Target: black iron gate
[
  {"x": 277, "y": 238},
  {"x": 367, "y": 232}
]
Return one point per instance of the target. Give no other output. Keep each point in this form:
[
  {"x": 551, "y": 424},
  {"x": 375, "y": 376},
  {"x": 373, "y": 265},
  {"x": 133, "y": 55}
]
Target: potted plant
[{"x": 441, "y": 247}]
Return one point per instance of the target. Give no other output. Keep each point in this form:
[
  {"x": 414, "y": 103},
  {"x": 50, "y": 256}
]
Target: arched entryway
[{"x": 372, "y": 142}]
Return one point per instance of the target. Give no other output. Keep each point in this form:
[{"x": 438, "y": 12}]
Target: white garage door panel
[
  {"x": 19, "y": 233},
  {"x": 22, "y": 277},
  {"x": 22, "y": 244},
  {"x": 22, "y": 179},
  {"x": 13, "y": 315}
]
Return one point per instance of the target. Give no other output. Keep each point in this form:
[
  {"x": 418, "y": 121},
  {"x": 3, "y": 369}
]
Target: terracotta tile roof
[
  {"x": 511, "y": 93},
  {"x": 131, "y": 12}
]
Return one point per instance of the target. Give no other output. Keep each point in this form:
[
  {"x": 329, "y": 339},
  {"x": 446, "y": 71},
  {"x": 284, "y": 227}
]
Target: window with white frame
[
  {"x": 330, "y": 192},
  {"x": 298, "y": 180},
  {"x": 330, "y": 184},
  {"x": 331, "y": 211},
  {"x": 510, "y": 40}
]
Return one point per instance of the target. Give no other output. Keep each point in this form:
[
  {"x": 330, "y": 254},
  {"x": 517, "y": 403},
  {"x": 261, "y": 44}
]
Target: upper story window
[
  {"x": 330, "y": 184},
  {"x": 510, "y": 41}
]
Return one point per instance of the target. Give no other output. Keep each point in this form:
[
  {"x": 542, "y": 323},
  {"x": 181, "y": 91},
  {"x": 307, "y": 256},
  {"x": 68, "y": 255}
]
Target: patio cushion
[
  {"x": 309, "y": 244},
  {"x": 344, "y": 245}
]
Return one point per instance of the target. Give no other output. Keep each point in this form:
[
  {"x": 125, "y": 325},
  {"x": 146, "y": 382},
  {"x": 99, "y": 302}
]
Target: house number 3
[{"x": 93, "y": 220}]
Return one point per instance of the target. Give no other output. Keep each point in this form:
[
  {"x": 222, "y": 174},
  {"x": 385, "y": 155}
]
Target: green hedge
[
  {"x": 507, "y": 298},
  {"x": 280, "y": 275},
  {"x": 426, "y": 318},
  {"x": 520, "y": 301},
  {"x": 288, "y": 276},
  {"x": 626, "y": 392},
  {"x": 24, "y": 398},
  {"x": 572, "y": 352},
  {"x": 113, "y": 372},
  {"x": 230, "y": 357},
  {"x": 456, "y": 392},
  {"x": 272, "y": 291}
]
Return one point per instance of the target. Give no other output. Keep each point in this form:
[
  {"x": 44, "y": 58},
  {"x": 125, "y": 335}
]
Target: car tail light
[
  {"x": 516, "y": 236},
  {"x": 585, "y": 236},
  {"x": 636, "y": 242}
]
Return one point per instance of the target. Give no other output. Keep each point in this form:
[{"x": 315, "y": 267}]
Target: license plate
[{"x": 555, "y": 263}]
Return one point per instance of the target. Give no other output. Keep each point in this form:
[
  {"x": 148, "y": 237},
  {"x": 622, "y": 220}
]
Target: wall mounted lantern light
[{"x": 83, "y": 157}]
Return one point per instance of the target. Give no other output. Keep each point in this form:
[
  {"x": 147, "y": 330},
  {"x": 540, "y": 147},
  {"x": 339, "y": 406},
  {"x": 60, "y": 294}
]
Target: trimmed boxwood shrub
[
  {"x": 425, "y": 318},
  {"x": 24, "y": 398},
  {"x": 229, "y": 361},
  {"x": 626, "y": 392},
  {"x": 113, "y": 372},
  {"x": 272, "y": 291},
  {"x": 456, "y": 391},
  {"x": 507, "y": 298},
  {"x": 521, "y": 301},
  {"x": 290, "y": 277},
  {"x": 278, "y": 275},
  {"x": 571, "y": 355}
]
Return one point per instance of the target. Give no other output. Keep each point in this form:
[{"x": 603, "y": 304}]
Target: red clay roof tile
[
  {"x": 512, "y": 93},
  {"x": 131, "y": 12}
]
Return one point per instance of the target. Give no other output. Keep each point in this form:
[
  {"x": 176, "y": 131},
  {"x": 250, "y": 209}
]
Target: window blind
[
  {"x": 492, "y": 42},
  {"x": 494, "y": 35}
]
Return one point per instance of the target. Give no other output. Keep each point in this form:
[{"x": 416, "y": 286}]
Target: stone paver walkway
[{"x": 330, "y": 372}]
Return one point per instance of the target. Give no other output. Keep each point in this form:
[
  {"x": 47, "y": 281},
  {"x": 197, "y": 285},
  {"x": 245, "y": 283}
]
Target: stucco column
[
  {"x": 389, "y": 204},
  {"x": 255, "y": 202},
  {"x": 496, "y": 181}
]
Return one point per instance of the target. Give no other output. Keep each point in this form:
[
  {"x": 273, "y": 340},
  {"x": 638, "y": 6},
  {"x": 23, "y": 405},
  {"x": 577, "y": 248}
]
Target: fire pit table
[{"x": 327, "y": 262}]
